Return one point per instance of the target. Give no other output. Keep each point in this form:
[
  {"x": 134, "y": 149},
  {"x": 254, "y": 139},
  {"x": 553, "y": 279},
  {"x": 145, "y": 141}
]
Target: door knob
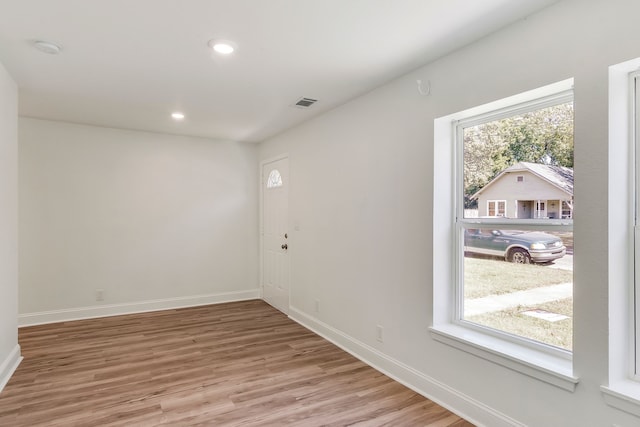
[{"x": 285, "y": 246}]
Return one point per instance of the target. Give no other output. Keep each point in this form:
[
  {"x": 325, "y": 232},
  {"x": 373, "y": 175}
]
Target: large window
[
  {"x": 516, "y": 258},
  {"x": 622, "y": 389},
  {"x": 503, "y": 232}
]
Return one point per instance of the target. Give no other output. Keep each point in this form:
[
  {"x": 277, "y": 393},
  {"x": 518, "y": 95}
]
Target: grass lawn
[
  {"x": 513, "y": 321},
  {"x": 484, "y": 277}
]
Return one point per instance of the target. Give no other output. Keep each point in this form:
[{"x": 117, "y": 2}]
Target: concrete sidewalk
[{"x": 534, "y": 296}]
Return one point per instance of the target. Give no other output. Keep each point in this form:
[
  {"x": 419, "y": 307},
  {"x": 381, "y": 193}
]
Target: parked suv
[{"x": 521, "y": 247}]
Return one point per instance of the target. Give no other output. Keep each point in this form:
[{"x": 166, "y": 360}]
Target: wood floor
[{"x": 236, "y": 364}]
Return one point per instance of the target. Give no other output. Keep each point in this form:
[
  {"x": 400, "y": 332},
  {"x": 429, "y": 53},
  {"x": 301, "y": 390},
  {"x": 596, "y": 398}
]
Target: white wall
[
  {"x": 9, "y": 349},
  {"x": 361, "y": 198},
  {"x": 152, "y": 220}
]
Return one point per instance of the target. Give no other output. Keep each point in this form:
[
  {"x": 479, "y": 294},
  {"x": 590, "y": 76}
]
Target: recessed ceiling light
[
  {"x": 47, "y": 47},
  {"x": 223, "y": 47},
  {"x": 177, "y": 115}
]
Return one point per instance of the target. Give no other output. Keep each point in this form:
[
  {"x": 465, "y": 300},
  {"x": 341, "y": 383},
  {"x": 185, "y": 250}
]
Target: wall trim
[
  {"x": 9, "y": 366},
  {"x": 43, "y": 317},
  {"x": 458, "y": 403}
]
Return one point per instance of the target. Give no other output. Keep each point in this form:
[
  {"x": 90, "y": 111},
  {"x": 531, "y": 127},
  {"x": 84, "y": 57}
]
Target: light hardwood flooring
[{"x": 235, "y": 364}]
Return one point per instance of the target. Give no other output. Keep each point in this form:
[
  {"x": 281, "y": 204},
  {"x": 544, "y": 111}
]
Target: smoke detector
[{"x": 47, "y": 47}]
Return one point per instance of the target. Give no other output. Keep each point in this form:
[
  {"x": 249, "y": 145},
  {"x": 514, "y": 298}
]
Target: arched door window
[{"x": 275, "y": 179}]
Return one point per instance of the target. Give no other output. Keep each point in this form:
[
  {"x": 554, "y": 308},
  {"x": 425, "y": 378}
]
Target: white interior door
[{"x": 275, "y": 247}]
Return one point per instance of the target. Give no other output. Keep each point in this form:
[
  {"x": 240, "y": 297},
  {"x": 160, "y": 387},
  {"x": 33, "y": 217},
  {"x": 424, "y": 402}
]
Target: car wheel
[{"x": 519, "y": 256}]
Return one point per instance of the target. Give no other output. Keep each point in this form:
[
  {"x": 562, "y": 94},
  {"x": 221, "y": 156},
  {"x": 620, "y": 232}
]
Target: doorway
[{"x": 274, "y": 233}]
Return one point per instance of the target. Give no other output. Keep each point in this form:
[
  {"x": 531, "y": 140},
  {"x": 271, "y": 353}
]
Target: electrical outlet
[
  {"x": 316, "y": 307},
  {"x": 379, "y": 330},
  {"x": 99, "y": 294}
]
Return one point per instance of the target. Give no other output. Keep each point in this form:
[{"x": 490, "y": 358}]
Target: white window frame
[
  {"x": 622, "y": 390},
  {"x": 537, "y": 360},
  {"x": 496, "y": 207},
  {"x": 634, "y": 83},
  {"x": 539, "y": 223}
]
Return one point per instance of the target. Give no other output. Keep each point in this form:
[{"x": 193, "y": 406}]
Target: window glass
[
  {"x": 275, "y": 179},
  {"x": 538, "y": 143},
  {"x": 516, "y": 258},
  {"x": 510, "y": 286}
]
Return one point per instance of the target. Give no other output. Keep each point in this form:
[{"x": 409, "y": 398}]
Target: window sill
[
  {"x": 623, "y": 395},
  {"x": 536, "y": 364}
]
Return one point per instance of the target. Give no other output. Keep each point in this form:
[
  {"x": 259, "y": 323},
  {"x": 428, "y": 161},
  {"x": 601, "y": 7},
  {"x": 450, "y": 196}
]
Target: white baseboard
[
  {"x": 9, "y": 366},
  {"x": 31, "y": 319},
  {"x": 458, "y": 403}
]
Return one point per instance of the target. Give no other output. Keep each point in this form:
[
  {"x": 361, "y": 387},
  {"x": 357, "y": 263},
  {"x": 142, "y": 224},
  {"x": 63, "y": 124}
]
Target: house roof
[{"x": 558, "y": 176}]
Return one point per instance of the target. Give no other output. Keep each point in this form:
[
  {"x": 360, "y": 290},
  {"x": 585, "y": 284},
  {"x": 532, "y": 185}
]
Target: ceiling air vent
[{"x": 305, "y": 102}]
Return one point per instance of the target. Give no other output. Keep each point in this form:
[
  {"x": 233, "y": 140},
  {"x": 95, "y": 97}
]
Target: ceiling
[{"x": 131, "y": 63}]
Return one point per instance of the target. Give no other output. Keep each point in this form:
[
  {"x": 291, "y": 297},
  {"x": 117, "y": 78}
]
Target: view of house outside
[{"x": 520, "y": 281}]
